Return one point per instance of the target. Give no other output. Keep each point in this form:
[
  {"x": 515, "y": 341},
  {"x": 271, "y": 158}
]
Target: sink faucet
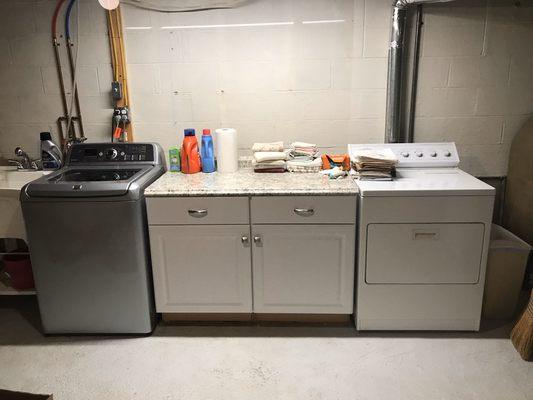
[
  {"x": 25, "y": 161},
  {"x": 18, "y": 164}
]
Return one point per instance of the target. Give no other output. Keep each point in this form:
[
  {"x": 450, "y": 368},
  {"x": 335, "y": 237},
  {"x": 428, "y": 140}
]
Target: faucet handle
[
  {"x": 35, "y": 163},
  {"x": 18, "y": 164},
  {"x": 19, "y": 152}
]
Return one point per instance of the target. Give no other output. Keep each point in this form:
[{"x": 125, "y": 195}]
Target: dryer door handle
[{"x": 425, "y": 235}]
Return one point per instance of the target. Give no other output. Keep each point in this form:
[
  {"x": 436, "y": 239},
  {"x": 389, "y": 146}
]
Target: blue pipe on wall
[{"x": 67, "y": 18}]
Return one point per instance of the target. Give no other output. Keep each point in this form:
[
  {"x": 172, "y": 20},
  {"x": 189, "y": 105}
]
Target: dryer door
[{"x": 424, "y": 253}]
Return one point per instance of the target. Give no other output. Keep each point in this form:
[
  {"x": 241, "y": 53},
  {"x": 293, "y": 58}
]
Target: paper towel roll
[{"x": 226, "y": 150}]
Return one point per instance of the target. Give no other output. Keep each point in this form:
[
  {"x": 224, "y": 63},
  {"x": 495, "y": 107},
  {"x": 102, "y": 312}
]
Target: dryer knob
[
  {"x": 433, "y": 154},
  {"x": 447, "y": 154},
  {"x": 419, "y": 154},
  {"x": 404, "y": 154}
]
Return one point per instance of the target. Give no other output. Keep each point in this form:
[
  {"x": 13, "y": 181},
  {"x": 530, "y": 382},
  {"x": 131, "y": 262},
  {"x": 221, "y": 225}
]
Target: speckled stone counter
[{"x": 245, "y": 182}]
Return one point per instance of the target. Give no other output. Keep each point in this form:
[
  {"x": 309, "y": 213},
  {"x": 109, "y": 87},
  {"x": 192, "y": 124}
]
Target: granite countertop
[{"x": 245, "y": 182}]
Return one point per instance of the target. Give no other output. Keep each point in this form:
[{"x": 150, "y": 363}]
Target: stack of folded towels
[
  {"x": 269, "y": 157},
  {"x": 374, "y": 165},
  {"x": 303, "y": 157}
]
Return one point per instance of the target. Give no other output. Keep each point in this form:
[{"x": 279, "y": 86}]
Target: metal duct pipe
[
  {"x": 405, "y": 3},
  {"x": 396, "y": 65},
  {"x": 394, "y": 74}
]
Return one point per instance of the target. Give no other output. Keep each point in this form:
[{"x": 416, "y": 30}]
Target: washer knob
[
  {"x": 419, "y": 154},
  {"x": 447, "y": 154},
  {"x": 433, "y": 154},
  {"x": 111, "y": 154},
  {"x": 404, "y": 154}
]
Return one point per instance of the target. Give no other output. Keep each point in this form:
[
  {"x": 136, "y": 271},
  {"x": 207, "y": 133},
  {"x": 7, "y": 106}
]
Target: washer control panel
[
  {"x": 415, "y": 155},
  {"x": 111, "y": 152}
]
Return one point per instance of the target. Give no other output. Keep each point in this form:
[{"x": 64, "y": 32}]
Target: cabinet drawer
[
  {"x": 304, "y": 210},
  {"x": 197, "y": 210}
]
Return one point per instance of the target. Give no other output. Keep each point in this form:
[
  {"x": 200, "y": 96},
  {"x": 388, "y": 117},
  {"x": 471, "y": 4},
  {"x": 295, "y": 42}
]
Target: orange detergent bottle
[{"x": 190, "y": 156}]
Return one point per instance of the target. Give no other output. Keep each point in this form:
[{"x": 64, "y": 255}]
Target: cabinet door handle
[
  {"x": 258, "y": 240},
  {"x": 245, "y": 240},
  {"x": 304, "y": 212},
  {"x": 198, "y": 213}
]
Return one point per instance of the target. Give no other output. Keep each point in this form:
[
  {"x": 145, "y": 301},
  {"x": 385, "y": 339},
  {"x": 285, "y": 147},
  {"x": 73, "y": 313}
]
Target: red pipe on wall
[
  {"x": 70, "y": 135},
  {"x": 54, "y": 18}
]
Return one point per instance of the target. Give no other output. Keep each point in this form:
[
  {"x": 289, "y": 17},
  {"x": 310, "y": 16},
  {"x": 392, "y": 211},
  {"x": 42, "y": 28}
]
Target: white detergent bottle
[{"x": 51, "y": 156}]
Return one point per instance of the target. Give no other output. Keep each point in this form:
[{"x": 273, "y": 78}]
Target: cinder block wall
[
  {"x": 476, "y": 79},
  {"x": 311, "y": 70},
  {"x": 29, "y": 91}
]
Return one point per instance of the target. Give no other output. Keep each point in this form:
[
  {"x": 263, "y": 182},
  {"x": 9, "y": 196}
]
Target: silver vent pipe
[{"x": 396, "y": 66}]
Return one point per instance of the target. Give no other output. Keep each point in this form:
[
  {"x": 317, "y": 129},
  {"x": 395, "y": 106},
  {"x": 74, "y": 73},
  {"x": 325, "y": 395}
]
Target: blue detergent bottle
[{"x": 207, "y": 152}]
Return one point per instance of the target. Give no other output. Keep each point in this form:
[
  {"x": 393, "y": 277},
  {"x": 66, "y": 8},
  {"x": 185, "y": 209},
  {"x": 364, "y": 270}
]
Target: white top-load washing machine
[{"x": 423, "y": 242}]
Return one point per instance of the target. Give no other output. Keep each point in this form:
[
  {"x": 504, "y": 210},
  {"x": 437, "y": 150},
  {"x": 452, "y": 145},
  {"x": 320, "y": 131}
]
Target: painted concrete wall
[
  {"x": 312, "y": 70},
  {"x": 29, "y": 92}
]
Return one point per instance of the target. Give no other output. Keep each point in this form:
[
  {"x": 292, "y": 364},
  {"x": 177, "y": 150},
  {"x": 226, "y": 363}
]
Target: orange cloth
[{"x": 330, "y": 161}]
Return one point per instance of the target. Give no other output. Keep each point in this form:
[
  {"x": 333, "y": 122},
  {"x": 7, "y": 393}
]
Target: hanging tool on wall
[
  {"x": 121, "y": 118},
  {"x": 73, "y": 71}
]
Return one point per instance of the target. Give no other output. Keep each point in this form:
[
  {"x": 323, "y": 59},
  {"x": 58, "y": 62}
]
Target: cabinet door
[
  {"x": 202, "y": 268},
  {"x": 303, "y": 269}
]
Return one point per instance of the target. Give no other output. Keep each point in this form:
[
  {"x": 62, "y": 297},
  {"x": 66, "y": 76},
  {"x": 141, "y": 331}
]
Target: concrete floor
[{"x": 259, "y": 362}]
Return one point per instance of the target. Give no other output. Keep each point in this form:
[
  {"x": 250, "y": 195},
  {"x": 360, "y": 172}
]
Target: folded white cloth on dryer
[{"x": 374, "y": 165}]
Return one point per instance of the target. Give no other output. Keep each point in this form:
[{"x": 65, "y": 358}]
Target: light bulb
[{"x": 109, "y": 4}]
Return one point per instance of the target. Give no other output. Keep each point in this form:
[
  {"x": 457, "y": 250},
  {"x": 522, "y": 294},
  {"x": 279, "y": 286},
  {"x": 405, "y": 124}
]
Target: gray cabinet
[
  {"x": 202, "y": 268},
  {"x": 290, "y": 254},
  {"x": 303, "y": 268}
]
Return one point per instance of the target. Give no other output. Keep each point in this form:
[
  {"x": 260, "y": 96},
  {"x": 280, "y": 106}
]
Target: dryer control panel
[{"x": 415, "y": 155}]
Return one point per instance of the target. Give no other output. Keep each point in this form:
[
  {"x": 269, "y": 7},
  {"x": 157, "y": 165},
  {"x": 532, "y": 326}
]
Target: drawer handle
[
  {"x": 198, "y": 213},
  {"x": 304, "y": 212},
  {"x": 245, "y": 240},
  {"x": 258, "y": 240}
]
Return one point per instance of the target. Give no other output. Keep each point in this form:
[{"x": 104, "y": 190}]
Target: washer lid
[
  {"x": 427, "y": 182},
  {"x": 86, "y": 182}
]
